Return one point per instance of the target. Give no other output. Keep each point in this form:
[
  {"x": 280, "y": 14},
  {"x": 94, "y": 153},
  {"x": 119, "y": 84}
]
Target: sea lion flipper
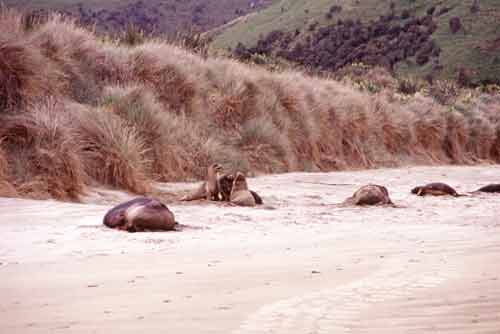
[
  {"x": 257, "y": 198},
  {"x": 199, "y": 193}
]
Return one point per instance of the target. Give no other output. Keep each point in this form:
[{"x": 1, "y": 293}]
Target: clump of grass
[
  {"x": 6, "y": 188},
  {"x": 171, "y": 83},
  {"x": 232, "y": 100},
  {"x": 456, "y": 137},
  {"x": 25, "y": 74},
  {"x": 72, "y": 50},
  {"x": 481, "y": 139},
  {"x": 11, "y": 22},
  {"x": 133, "y": 35},
  {"x": 3, "y": 164},
  {"x": 44, "y": 159},
  {"x": 193, "y": 41},
  {"x": 410, "y": 85},
  {"x": 140, "y": 109},
  {"x": 112, "y": 151},
  {"x": 264, "y": 144},
  {"x": 444, "y": 91}
]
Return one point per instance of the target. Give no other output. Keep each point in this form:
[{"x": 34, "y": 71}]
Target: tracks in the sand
[{"x": 388, "y": 300}]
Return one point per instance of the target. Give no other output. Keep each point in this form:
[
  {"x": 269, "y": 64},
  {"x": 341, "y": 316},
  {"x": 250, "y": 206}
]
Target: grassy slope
[{"x": 459, "y": 49}]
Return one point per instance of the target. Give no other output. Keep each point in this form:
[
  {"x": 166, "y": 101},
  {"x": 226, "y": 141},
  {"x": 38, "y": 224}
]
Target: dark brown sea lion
[
  {"x": 115, "y": 218},
  {"x": 371, "y": 194},
  {"x": 490, "y": 188},
  {"x": 225, "y": 186},
  {"x": 435, "y": 189},
  {"x": 240, "y": 195},
  {"x": 140, "y": 214}
]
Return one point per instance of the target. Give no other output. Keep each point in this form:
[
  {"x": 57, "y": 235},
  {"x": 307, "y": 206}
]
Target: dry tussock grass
[
  {"x": 140, "y": 109},
  {"x": 74, "y": 52},
  {"x": 6, "y": 188},
  {"x": 44, "y": 160},
  {"x": 139, "y": 113},
  {"x": 25, "y": 74},
  {"x": 171, "y": 82},
  {"x": 112, "y": 151}
]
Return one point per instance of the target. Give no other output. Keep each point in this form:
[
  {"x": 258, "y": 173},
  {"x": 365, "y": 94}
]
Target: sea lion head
[
  {"x": 416, "y": 190},
  {"x": 240, "y": 182},
  {"x": 216, "y": 168}
]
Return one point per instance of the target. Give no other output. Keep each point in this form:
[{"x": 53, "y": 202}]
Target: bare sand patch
[{"x": 308, "y": 266}]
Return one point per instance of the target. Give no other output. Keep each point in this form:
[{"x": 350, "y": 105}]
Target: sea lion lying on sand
[
  {"x": 140, "y": 214},
  {"x": 435, "y": 189},
  {"x": 371, "y": 194},
  {"x": 490, "y": 188},
  {"x": 210, "y": 188},
  {"x": 240, "y": 195}
]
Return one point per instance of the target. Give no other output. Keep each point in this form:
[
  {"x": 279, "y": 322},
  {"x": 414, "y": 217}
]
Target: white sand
[{"x": 306, "y": 267}]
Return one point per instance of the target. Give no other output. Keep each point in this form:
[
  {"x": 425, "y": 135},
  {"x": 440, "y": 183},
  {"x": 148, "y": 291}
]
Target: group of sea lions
[
  {"x": 442, "y": 189},
  {"x": 373, "y": 194},
  {"x": 227, "y": 187},
  {"x": 150, "y": 214}
]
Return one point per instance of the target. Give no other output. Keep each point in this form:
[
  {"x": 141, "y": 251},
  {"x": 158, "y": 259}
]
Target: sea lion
[
  {"x": 490, "y": 188},
  {"x": 115, "y": 218},
  {"x": 435, "y": 189},
  {"x": 209, "y": 189},
  {"x": 225, "y": 182},
  {"x": 240, "y": 195},
  {"x": 212, "y": 183},
  {"x": 226, "y": 185},
  {"x": 140, "y": 214},
  {"x": 371, "y": 194},
  {"x": 257, "y": 198}
]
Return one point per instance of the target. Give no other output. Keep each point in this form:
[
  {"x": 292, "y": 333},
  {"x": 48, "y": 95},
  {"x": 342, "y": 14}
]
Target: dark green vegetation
[{"x": 439, "y": 39}]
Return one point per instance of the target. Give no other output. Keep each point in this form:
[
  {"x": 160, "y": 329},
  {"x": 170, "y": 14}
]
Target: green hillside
[{"x": 475, "y": 46}]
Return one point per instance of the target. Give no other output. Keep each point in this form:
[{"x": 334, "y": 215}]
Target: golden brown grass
[
  {"x": 139, "y": 109},
  {"x": 112, "y": 151},
  {"x": 125, "y": 115},
  {"x": 25, "y": 75},
  {"x": 6, "y": 188},
  {"x": 43, "y": 159}
]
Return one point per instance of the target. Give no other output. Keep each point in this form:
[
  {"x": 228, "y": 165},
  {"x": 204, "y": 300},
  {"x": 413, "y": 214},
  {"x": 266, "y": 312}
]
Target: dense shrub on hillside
[
  {"x": 82, "y": 111},
  {"x": 153, "y": 17},
  {"x": 384, "y": 42}
]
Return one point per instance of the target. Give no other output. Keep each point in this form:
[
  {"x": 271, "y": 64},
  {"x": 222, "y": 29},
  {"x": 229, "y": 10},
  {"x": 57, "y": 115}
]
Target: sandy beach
[{"x": 300, "y": 264}]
